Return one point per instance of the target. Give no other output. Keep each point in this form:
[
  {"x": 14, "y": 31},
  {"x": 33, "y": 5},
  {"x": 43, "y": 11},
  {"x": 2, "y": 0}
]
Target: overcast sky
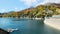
[{"x": 15, "y": 5}]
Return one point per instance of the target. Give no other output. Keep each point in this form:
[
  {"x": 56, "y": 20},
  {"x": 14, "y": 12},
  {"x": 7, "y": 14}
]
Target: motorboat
[{"x": 11, "y": 30}]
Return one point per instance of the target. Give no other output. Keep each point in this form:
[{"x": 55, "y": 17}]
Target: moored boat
[{"x": 11, "y": 30}]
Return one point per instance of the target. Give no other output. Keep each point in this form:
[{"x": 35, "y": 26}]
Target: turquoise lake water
[{"x": 27, "y": 26}]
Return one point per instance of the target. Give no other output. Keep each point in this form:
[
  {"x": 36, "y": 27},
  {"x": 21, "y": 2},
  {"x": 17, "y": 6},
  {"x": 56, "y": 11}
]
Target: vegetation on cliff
[{"x": 38, "y": 11}]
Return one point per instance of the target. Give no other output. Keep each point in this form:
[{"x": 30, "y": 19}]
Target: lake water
[{"x": 27, "y": 26}]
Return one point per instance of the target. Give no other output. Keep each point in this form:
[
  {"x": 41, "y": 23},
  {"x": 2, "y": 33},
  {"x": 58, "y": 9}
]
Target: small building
[{"x": 3, "y": 31}]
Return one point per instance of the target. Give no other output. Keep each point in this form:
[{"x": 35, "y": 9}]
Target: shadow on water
[{"x": 40, "y": 26}]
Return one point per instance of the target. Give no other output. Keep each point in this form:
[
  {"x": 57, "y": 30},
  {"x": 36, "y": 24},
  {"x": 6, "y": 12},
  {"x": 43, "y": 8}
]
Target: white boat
[
  {"x": 11, "y": 30},
  {"x": 53, "y": 21}
]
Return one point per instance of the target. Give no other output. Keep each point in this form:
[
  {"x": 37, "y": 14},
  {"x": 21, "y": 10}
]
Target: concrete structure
[
  {"x": 3, "y": 31},
  {"x": 53, "y": 21}
]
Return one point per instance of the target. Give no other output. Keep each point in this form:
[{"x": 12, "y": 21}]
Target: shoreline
[{"x": 25, "y": 18}]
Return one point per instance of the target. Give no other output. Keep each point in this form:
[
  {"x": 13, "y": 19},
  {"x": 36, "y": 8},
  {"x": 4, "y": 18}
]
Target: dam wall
[{"x": 55, "y": 23}]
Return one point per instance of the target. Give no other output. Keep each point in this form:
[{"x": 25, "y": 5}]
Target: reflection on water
[{"x": 27, "y": 26}]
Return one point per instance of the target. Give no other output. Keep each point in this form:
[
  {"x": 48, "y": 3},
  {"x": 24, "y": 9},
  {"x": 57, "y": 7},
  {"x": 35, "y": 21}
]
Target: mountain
[
  {"x": 56, "y": 4},
  {"x": 32, "y": 12}
]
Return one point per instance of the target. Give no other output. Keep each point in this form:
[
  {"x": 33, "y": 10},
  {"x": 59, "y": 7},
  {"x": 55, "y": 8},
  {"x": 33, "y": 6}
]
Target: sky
[{"x": 17, "y": 5}]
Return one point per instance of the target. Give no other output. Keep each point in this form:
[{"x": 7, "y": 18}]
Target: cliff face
[{"x": 36, "y": 11}]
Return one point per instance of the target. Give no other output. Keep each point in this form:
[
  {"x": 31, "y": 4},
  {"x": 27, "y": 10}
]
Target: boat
[
  {"x": 53, "y": 21},
  {"x": 11, "y": 30}
]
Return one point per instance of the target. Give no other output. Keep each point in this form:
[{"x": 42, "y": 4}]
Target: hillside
[{"x": 47, "y": 10}]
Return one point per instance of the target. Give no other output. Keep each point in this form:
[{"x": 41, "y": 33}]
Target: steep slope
[{"x": 47, "y": 10}]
